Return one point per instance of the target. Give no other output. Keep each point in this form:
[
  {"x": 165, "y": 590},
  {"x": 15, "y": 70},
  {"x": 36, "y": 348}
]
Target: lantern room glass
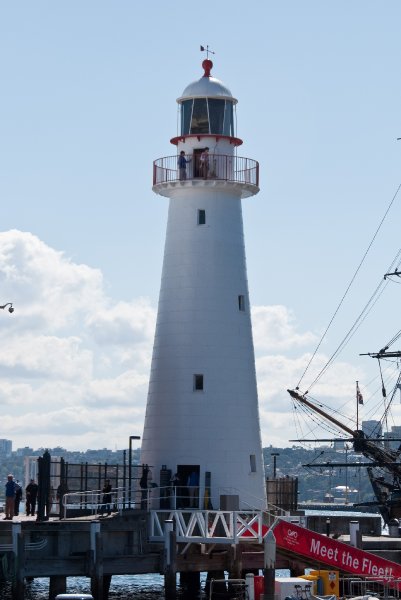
[{"x": 207, "y": 116}]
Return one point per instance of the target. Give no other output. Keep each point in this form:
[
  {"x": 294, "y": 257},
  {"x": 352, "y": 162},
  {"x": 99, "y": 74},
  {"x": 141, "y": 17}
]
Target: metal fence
[
  {"x": 369, "y": 586},
  {"x": 218, "y": 167}
]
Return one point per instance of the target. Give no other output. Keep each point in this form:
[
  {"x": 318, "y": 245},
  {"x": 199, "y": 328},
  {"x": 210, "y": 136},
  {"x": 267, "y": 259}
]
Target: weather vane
[{"x": 203, "y": 49}]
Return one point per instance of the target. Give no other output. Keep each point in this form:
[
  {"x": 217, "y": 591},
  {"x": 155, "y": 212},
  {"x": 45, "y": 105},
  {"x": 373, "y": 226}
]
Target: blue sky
[{"x": 88, "y": 101}]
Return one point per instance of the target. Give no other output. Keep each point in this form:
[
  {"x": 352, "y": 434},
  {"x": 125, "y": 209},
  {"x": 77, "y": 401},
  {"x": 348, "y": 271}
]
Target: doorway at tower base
[{"x": 181, "y": 490}]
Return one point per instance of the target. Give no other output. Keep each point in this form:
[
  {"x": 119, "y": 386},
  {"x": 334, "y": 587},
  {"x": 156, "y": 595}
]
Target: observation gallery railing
[{"x": 217, "y": 167}]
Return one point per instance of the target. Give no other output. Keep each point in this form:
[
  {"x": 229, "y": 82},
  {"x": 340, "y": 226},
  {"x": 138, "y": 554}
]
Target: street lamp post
[
  {"x": 275, "y": 455},
  {"x": 346, "y": 472},
  {"x": 131, "y": 437},
  {"x": 10, "y": 304}
]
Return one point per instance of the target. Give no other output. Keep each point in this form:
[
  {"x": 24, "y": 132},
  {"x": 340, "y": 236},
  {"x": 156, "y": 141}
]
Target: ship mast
[
  {"x": 321, "y": 412},
  {"x": 385, "y": 457}
]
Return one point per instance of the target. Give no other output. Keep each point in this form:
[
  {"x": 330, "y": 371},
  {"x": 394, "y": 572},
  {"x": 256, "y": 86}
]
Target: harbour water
[
  {"x": 127, "y": 587},
  {"x": 135, "y": 587},
  {"x": 123, "y": 587}
]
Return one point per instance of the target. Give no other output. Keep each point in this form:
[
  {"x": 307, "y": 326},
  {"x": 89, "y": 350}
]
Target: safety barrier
[
  {"x": 209, "y": 526},
  {"x": 236, "y": 169},
  {"x": 369, "y": 586}
]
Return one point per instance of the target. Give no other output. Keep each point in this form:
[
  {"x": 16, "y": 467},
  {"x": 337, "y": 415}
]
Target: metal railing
[
  {"x": 210, "y": 526},
  {"x": 93, "y": 502},
  {"x": 237, "y": 589},
  {"x": 165, "y": 497},
  {"x": 369, "y": 586},
  {"x": 218, "y": 167}
]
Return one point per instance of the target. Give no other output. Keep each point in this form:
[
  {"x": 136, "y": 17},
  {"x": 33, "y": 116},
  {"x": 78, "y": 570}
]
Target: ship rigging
[{"x": 383, "y": 463}]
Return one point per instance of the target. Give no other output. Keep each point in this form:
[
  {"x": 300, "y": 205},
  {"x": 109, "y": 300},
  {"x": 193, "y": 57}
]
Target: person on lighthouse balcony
[
  {"x": 204, "y": 163},
  {"x": 182, "y": 165}
]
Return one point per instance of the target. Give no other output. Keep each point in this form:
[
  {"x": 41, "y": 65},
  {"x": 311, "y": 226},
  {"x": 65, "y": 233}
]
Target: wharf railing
[
  {"x": 221, "y": 167},
  {"x": 209, "y": 526},
  {"x": 164, "y": 497},
  {"x": 369, "y": 586},
  {"x": 184, "y": 506},
  {"x": 92, "y": 501}
]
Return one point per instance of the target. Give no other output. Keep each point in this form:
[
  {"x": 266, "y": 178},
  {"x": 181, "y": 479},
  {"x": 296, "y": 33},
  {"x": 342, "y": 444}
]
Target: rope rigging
[{"x": 361, "y": 316}]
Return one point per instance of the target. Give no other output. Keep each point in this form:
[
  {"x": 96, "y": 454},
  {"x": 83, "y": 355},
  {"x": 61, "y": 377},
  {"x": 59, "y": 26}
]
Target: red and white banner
[{"x": 337, "y": 555}]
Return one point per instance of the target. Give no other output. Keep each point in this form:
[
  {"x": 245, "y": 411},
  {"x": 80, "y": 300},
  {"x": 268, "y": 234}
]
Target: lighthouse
[{"x": 202, "y": 425}]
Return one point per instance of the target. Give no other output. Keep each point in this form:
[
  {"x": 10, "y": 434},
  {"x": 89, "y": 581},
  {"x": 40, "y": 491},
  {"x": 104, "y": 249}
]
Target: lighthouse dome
[{"x": 207, "y": 87}]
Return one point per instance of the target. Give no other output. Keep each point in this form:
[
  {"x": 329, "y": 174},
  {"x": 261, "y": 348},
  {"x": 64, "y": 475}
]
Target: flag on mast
[{"x": 359, "y": 396}]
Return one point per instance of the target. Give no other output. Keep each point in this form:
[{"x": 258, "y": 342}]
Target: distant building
[
  {"x": 372, "y": 429},
  {"x": 24, "y": 451},
  {"x": 389, "y": 435},
  {"x": 6, "y": 447}
]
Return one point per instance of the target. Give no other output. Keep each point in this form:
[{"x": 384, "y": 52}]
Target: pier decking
[
  {"x": 128, "y": 543},
  {"x": 136, "y": 542}
]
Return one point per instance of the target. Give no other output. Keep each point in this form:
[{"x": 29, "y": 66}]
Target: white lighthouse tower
[{"x": 202, "y": 409}]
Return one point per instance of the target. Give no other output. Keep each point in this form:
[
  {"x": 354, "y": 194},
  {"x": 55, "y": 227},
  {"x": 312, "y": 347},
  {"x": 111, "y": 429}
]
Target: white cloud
[
  {"x": 75, "y": 364},
  {"x": 280, "y": 364},
  {"x": 274, "y": 329},
  {"x": 127, "y": 390},
  {"x": 48, "y": 288},
  {"x": 123, "y": 323},
  {"x": 46, "y": 357}
]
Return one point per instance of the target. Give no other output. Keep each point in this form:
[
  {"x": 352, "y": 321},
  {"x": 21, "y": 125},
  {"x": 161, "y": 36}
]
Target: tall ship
[{"x": 381, "y": 444}]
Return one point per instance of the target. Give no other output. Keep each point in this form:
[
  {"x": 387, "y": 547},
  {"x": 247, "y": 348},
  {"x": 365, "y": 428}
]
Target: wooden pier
[
  {"x": 135, "y": 542},
  {"x": 126, "y": 543}
]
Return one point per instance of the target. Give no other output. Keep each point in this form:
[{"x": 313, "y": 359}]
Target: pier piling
[
  {"x": 18, "y": 584},
  {"x": 57, "y": 585},
  {"x": 170, "y": 571}
]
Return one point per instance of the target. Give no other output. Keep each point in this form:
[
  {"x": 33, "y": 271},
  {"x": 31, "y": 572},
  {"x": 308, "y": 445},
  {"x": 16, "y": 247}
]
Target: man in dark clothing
[
  {"x": 106, "y": 491},
  {"x": 62, "y": 490},
  {"x": 143, "y": 482},
  {"x": 31, "y": 493},
  {"x": 182, "y": 165},
  {"x": 17, "y": 498},
  {"x": 10, "y": 497}
]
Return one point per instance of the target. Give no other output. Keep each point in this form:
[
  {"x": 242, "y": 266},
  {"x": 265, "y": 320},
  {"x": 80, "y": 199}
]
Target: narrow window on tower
[
  {"x": 252, "y": 459},
  {"x": 241, "y": 302},
  {"x": 201, "y": 217},
  {"x": 198, "y": 383}
]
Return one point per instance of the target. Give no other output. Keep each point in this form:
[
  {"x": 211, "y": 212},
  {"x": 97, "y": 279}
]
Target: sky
[{"x": 88, "y": 102}]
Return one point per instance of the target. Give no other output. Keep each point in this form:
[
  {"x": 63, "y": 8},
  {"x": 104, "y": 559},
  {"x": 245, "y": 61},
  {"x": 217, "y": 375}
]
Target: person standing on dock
[
  {"x": 31, "y": 493},
  {"x": 17, "y": 498},
  {"x": 10, "y": 497},
  {"x": 62, "y": 490},
  {"x": 106, "y": 491},
  {"x": 144, "y": 484}
]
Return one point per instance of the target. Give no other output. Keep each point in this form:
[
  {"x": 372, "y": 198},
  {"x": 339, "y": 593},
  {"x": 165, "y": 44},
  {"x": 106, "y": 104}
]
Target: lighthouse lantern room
[{"x": 202, "y": 432}]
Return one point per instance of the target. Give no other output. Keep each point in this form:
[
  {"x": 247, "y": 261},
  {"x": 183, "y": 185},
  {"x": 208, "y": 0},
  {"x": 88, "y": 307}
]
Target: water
[{"x": 129, "y": 587}]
